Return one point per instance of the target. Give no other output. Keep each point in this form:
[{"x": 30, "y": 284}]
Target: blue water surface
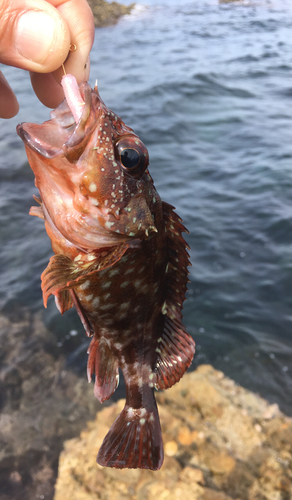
[{"x": 208, "y": 87}]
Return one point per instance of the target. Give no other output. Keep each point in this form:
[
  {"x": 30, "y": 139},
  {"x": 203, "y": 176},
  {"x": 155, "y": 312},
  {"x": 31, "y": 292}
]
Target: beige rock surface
[{"x": 221, "y": 442}]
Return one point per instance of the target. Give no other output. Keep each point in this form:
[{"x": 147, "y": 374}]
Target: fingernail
[{"x": 35, "y": 35}]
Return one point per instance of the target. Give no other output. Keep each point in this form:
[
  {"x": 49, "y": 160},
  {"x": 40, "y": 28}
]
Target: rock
[
  {"x": 106, "y": 13},
  {"x": 42, "y": 403},
  {"x": 213, "y": 448}
]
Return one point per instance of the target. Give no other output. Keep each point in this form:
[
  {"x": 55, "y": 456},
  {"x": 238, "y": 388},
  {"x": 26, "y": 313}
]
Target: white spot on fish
[
  {"x": 164, "y": 308},
  {"x": 130, "y": 412},
  {"x": 95, "y": 302},
  {"x": 108, "y": 224},
  {"x": 91, "y": 256},
  {"x": 130, "y": 270},
  {"x": 113, "y": 272},
  {"x": 105, "y": 307},
  {"x": 125, "y": 305},
  {"x": 92, "y": 187},
  {"x": 85, "y": 285},
  {"x": 89, "y": 297},
  {"x": 79, "y": 257},
  {"x": 124, "y": 284},
  {"x": 106, "y": 285}
]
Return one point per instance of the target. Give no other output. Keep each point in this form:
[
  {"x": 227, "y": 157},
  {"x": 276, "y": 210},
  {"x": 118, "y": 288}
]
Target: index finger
[{"x": 79, "y": 20}]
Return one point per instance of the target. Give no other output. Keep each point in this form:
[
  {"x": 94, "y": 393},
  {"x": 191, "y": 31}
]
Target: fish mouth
[
  {"x": 54, "y": 149},
  {"x": 61, "y": 135}
]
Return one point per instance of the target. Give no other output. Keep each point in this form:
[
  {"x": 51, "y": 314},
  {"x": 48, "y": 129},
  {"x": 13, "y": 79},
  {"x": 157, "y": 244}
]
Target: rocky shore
[
  {"x": 106, "y": 13},
  {"x": 42, "y": 403},
  {"x": 221, "y": 442}
]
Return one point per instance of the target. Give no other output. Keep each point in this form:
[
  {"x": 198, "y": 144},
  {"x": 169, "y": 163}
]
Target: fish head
[{"x": 92, "y": 175}]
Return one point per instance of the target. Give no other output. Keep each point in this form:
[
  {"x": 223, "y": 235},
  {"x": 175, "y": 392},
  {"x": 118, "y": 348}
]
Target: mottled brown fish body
[{"x": 120, "y": 259}]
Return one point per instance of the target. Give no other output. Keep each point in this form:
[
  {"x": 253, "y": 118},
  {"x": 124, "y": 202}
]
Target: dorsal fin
[{"x": 175, "y": 347}]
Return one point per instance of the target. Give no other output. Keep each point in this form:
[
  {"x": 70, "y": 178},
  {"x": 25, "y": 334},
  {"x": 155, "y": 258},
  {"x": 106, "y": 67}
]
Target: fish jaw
[{"x": 87, "y": 193}]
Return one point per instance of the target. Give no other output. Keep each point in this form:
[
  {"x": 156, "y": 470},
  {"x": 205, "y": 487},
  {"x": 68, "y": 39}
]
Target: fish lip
[{"x": 62, "y": 129}]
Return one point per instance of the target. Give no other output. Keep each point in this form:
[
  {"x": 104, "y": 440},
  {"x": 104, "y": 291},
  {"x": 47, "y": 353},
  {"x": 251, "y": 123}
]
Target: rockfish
[{"x": 120, "y": 259}]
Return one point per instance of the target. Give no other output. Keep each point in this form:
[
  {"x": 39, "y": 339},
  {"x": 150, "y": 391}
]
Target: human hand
[{"x": 36, "y": 35}]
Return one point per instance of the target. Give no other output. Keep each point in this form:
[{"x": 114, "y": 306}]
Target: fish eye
[
  {"x": 130, "y": 158},
  {"x": 133, "y": 155}
]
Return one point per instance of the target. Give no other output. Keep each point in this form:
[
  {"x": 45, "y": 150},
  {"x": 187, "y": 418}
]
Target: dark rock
[
  {"x": 106, "y": 13},
  {"x": 41, "y": 402}
]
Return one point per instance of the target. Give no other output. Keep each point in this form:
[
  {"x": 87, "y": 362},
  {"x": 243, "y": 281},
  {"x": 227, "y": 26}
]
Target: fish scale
[{"x": 120, "y": 260}]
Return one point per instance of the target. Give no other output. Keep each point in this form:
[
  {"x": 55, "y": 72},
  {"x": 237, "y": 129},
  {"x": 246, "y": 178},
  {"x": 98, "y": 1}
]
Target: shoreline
[
  {"x": 107, "y": 14},
  {"x": 221, "y": 441}
]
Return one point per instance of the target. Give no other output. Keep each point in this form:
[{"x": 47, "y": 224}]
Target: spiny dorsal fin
[
  {"x": 175, "y": 347},
  {"x": 62, "y": 273}
]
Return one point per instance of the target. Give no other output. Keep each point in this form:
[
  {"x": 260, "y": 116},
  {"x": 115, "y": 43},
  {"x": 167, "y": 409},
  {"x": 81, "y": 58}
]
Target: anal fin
[
  {"x": 176, "y": 350},
  {"x": 104, "y": 365}
]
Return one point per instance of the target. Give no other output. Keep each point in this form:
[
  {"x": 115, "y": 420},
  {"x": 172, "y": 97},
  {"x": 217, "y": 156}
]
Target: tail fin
[{"x": 134, "y": 441}]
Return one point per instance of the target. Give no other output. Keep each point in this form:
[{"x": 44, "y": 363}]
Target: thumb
[{"x": 33, "y": 35}]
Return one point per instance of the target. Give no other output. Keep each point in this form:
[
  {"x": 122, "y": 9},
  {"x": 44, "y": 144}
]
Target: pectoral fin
[{"x": 62, "y": 273}]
